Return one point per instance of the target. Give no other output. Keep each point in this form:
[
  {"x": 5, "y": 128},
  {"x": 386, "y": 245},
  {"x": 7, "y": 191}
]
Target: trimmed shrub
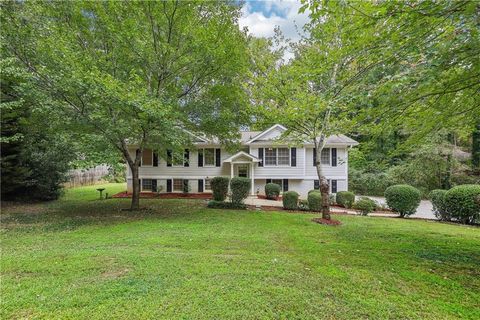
[
  {"x": 240, "y": 188},
  {"x": 438, "y": 203},
  {"x": 345, "y": 198},
  {"x": 365, "y": 205},
  {"x": 315, "y": 201},
  {"x": 303, "y": 205},
  {"x": 332, "y": 199},
  {"x": 225, "y": 205},
  {"x": 290, "y": 200},
  {"x": 219, "y": 188},
  {"x": 403, "y": 199},
  {"x": 313, "y": 190},
  {"x": 272, "y": 191},
  {"x": 461, "y": 203}
]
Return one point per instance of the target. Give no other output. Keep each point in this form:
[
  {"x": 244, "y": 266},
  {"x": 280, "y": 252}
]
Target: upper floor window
[
  {"x": 147, "y": 157},
  {"x": 277, "y": 157},
  {"x": 178, "y": 159},
  {"x": 325, "y": 156},
  {"x": 209, "y": 157}
]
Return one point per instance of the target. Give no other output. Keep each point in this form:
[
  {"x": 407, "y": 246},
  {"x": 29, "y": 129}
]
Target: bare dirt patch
[{"x": 331, "y": 222}]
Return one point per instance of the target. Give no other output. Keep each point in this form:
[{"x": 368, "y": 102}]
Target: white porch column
[
  {"x": 231, "y": 170},
  {"x": 252, "y": 176}
]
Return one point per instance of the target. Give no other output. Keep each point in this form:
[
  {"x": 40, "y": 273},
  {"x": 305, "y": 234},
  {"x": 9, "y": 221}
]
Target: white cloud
[{"x": 279, "y": 13}]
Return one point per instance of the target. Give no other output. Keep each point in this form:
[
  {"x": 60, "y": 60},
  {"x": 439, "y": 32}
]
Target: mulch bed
[
  {"x": 153, "y": 195},
  {"x": 331, "y": 222}
]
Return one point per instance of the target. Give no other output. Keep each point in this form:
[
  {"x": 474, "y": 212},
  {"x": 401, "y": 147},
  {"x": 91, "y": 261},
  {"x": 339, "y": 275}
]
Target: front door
[{"x": 243, "y": 170}]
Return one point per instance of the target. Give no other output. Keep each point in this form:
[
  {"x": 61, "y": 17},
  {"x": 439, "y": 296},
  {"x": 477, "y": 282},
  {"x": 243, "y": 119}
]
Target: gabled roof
[
  {"x": 242, "y": 153},
  {"x": 261, "y": 134}
]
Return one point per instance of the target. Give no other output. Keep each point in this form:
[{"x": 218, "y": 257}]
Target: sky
[{"x": 261, "y": 17}]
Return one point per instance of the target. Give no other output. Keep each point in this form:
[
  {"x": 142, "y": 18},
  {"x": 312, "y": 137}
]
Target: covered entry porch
[{"x": 242, "y": 164}]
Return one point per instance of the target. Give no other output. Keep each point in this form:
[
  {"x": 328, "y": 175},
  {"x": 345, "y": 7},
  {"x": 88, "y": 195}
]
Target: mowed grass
[{"x": 82, "y": 258}]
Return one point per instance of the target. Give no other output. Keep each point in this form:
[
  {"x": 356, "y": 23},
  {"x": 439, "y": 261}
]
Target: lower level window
[
  {"x": 208, "y": 185},
  {"x": 147, "y": 184},
  {"x": 177, "y": 184},
  {"x": 279, "y": 182}
]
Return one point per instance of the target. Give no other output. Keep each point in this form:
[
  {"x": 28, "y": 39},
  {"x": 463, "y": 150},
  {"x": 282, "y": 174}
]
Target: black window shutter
[
  {"x": 334, "y": 157},
  {"x": 169, "y": 158},
  {"x": 260, "y": 156},
  {"x": 217, "y": 157},
  {"x": 137, "y": 152},
  {"x": 169, "y": 185},
  {"x": 186, "y": 159},
  {"x": 334, "y": 186},
  {"x": 200, "y": 158},
  {"x": 154, "y": 185},
  {"x": 200, "y": 185},
  {"x": 155, "y": 159},
  {"x": 185, "y": 185},
  {"x": 285, "y": 185},
  {"x": 269, "y": 180},
  {"x": 316, "y": 184},
  {"x": 314, "y": 156},
  {"x": 293, "y": 157}
]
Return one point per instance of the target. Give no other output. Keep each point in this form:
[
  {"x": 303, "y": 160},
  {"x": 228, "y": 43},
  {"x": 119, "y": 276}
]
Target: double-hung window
[
  {"x": 325, "y": 156},
  {"x": 177, "y": 184},
  {"x": 208, "y": 185},
  {"x": 277, "y": 157},
  {"x": 209, "y": 157},
  {"x": 178, "y": 159},
  {"x": 146, "y": 184}
]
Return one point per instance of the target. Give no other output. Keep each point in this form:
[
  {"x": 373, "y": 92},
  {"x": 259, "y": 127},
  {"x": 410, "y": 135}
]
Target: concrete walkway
[{"x": 424, "y": 210}]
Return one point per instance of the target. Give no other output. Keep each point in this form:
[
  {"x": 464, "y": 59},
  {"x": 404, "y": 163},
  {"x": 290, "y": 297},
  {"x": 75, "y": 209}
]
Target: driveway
[{"x": 424, "y": 210}]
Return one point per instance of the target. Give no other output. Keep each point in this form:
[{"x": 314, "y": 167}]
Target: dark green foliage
[
  {"x": 403, "y": 199},
  {"x": 290, "y": 200},
  {"x": 220, "y": 188},
  {"x": 240, "y": 188},
  {"x": 476, "y": 148},
  {"x": 365, "y": 205},
  {"x": 345, "y": 198},
  {"x": 438, "y": 201},
  {"x": 368, "y": 183},
  {"x": 315, "y": 201},
  {"x": 225, "y": 205},
  {"x": 461, "y": 203},
  {"x": 272, "y": 191},
  {"x": 303, "y": 205}
]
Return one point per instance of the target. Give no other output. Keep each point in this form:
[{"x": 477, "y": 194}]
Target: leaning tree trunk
[{"x": 324, "y": 188}]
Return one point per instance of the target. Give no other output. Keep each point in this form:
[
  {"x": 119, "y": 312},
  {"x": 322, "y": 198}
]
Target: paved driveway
[{"x": 424, "y": 210}]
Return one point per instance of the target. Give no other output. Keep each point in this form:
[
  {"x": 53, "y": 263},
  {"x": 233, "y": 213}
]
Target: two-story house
[{"x": 263, "y": 159}]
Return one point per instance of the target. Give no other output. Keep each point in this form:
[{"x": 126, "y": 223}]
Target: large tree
[{"x": 135, "y": 73}]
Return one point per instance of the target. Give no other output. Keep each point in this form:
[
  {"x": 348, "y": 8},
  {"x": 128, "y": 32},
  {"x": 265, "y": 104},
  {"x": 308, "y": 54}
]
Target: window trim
[
  {"x": 276, "y": 157},
  {"x": 204, "y": 158}
]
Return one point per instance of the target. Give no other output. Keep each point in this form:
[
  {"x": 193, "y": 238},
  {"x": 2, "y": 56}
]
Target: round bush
[
  {"x": 219, "y": 188},
  {"x": 315, "y": 201},
  {"x": 240, "y": 188},
  {"x": 313, "y": 190},
  {"x": 290, "y": 200},
  {"x": 365, "y": 205},
  {"x": 272, "y": 191},
  {"x": 345, "y": 198},
  {"x": 438, "y": 203},
  {"x": 461, "y": 203},
  {"x": 403, "y": 199}
]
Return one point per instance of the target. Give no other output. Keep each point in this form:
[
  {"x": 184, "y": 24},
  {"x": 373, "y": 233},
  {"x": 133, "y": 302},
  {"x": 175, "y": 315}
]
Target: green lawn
[{"x": 85, "y": 258}]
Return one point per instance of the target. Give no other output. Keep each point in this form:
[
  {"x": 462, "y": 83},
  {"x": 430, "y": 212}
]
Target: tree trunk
[
  {"x": 324, "y": 188},
  {"x": 135, "y": 205},
  {"x": 476, "y": 149}
]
